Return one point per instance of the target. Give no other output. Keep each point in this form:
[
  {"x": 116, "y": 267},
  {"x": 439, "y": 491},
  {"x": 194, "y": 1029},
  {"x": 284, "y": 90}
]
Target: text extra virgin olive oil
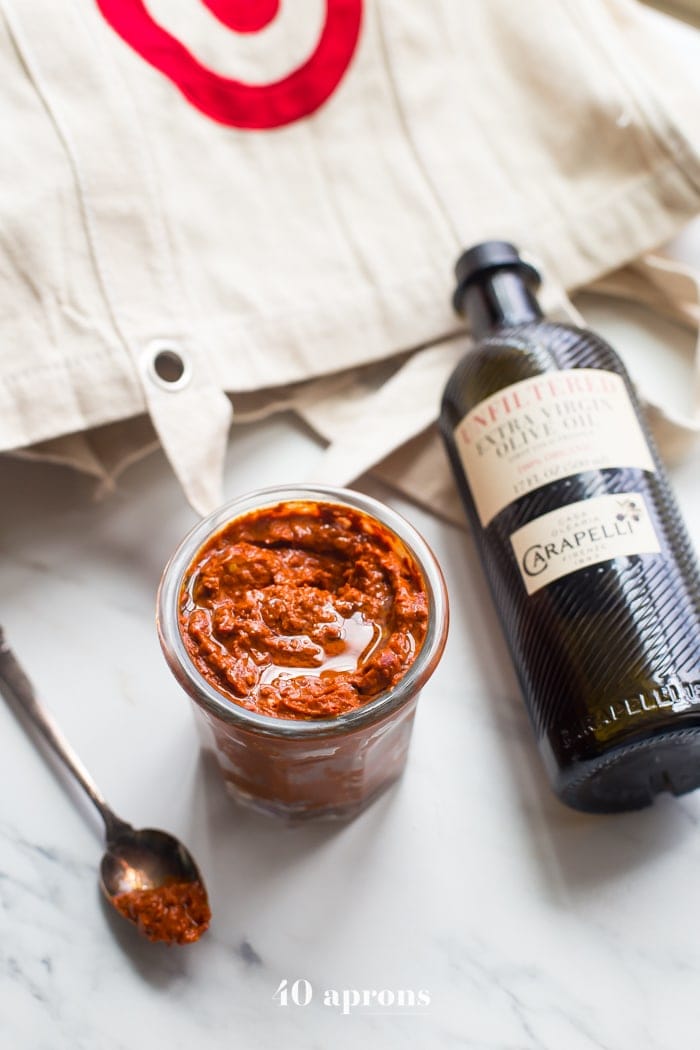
[{"x": 588, "y": 561}]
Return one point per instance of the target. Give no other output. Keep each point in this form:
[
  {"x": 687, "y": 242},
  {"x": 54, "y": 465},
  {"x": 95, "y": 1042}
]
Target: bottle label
[
  {"x": 582, "y": 534},
  {"x": 547, "y": 428}
]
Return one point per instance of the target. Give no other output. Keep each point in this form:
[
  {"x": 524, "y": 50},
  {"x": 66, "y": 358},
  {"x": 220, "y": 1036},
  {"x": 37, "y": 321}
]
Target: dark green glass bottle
[{"x": 588, "y": 560}]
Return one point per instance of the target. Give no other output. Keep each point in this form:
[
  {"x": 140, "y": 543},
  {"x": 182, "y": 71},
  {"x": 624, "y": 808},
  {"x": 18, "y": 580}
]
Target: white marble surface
[{"x": 530, "y": 926}]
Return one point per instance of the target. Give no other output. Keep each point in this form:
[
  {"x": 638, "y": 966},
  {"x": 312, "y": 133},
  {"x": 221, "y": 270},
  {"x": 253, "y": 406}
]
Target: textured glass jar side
[{"x": 329, "y": 777}]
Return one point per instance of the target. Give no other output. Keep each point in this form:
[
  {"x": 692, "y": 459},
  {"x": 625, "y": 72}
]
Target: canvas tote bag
[{"x": 213, "y": 209}]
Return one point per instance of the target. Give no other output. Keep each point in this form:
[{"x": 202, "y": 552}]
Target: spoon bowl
[{"x": 144, "y": 860}]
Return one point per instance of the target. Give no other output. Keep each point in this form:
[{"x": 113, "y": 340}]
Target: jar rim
[{"x": 207, "y": 696}]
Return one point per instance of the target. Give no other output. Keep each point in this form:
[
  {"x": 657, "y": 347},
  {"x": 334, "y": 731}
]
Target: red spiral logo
[{"x": 234, "y": 102}]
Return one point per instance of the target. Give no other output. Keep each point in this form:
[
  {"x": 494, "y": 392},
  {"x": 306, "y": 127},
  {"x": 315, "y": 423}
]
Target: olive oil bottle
[{"x": 589, "y": 563}]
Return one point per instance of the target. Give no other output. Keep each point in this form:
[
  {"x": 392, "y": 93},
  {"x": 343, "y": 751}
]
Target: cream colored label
[
  {"x": 582, "y": 534},
  {"x": 546, "y": 428}
]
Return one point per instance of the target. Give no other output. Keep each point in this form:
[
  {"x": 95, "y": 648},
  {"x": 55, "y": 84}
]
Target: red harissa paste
[
  {"x": 176, "y": 912},
  {"x": 303, "y": 610}
]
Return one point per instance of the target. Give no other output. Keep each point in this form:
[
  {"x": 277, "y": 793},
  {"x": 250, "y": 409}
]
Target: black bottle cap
[{"x": 489, "y": 256}]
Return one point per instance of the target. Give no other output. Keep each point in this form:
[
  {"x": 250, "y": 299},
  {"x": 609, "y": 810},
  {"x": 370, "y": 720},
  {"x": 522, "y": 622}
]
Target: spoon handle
[{"x": 19, "y": 692}]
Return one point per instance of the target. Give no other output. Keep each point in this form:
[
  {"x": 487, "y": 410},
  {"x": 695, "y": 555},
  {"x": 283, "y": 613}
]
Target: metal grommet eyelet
[{"x": 167, "y": 365}]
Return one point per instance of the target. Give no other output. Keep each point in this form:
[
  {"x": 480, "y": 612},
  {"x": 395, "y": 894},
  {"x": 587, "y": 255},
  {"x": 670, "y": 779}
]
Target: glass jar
[{"x": 299, "y": 769}]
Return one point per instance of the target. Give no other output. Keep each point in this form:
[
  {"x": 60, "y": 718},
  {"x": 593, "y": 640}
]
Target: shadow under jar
[{"x": 307, "y": 718}]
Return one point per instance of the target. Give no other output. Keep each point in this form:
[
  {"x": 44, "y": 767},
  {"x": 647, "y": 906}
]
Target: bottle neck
[{"x": 499, "y": 299}]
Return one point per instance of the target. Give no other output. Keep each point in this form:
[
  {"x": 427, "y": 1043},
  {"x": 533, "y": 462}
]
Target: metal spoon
[{"x": 134, "y": 860}]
